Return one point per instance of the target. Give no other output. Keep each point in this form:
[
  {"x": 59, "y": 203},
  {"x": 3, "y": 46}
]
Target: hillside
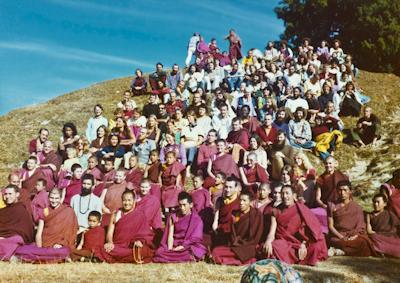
[{"x": 367, "y": 169}]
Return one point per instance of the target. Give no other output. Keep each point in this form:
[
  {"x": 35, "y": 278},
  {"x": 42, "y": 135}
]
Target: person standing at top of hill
[
  {"x": 95, "y": 122},
  {"x": 193, "y": 41},
  {"x": 235, "y": 45},
  {"x": 158, "y": 75},
  {"x": 36, "y": 145}
]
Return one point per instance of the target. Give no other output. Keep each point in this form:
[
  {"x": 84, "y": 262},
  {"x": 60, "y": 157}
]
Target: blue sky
[{"x": 51, "y": 47}]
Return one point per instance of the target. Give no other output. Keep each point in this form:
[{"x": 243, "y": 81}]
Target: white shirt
[
  {"x": 93, "y": 124},
  {"x": 292, "y": 104},
  {"x": 222, "y": 125},
  {"x": 82, "y": 206}
]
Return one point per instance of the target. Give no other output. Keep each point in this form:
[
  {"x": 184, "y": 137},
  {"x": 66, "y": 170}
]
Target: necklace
[{"x": 88, "y": 207}]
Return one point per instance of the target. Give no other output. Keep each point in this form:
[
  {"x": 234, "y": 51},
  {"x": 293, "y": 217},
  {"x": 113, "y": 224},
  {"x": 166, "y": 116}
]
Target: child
[
  {"x": 263, "y": 197},
  {"x": 91, "y": 240},
  {"x": 40, "y": 203},
  {"x": 93, "y": 169},
  {"x": 109, "y": 171},
  {"x": 74, "y": 186},
  {"x": 171, "y": 180},
  {"x": 202, "y": 202},
  {"x": 217, "y": 189},
  {"x": 153, "y": 168}
]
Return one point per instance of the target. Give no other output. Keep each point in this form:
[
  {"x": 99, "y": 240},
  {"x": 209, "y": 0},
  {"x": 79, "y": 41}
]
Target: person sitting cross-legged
[
  {"x": 295, "y": 236},
  {"x": 246, "y": 231},
  {"x": 126, "y": 238},
  {"x": 183, "y": 236}
]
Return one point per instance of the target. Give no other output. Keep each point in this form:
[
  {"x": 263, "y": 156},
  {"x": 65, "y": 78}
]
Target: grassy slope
[{"x": 367, "y": 168}]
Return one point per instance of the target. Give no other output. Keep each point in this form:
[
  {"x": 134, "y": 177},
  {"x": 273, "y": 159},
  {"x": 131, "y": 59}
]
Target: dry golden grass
[
  {"x": 367, "y": 169},
  {"x": 339, "y": 269}
]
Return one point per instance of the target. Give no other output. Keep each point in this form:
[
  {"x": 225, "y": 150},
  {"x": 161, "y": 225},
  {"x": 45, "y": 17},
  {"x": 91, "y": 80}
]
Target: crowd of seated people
[{"x": 214, "y": 167}]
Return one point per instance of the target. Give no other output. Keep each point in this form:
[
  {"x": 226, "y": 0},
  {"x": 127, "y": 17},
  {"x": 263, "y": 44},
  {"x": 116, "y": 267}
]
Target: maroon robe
[
  {"x": 40, "y": 205},
  {"x": 251, "y": 125},
  {"x": 51, "y": 176},
  {"x": 113, "y": 197},
  {"x": 349, "y": 221},
  {"x": 73, "y": 188},
  {"x": 108, "y": 177},
  {"x": 154, "y": 171},
  {"x": 245, "y": 236},
  {"x": 151, "y": 207},
  {"x": 188, "y": 232},
  {"x": 327, "y": 183},
  {"x": 16, "y": 229},
  {"x": 202, "y": 206},
  {"x": 134, "y": 176},
  {"x": 255, "y": 175},
  {"x": 93, "y": 240},
  {"x": 225, "y": 220},
  {"x": 222, "y": 164},
  {"x": 15, "y": 220},
  {"x": 129, "y": 228},
  {"x": 204, "y": 154},
  {"x": 169, "y": 189},
  {"x": 96, "y": 172},
  {"x": 386, "y": 239},
  {"x": 240, "y": 137},
  {"x": 296, "y": 224},
  {"x": 28, "y": 187},
  {"x": 394, "y": 198},
  {"x": 267, "y": 138}
]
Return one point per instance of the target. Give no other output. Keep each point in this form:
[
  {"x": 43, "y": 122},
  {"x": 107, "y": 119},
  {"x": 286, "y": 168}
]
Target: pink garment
[
  {"x": 39, "y": 203},
  {"x": 188, "y": 232},
  {"x": 34, "y": 254},
  {"x": 9, "y": 245}
]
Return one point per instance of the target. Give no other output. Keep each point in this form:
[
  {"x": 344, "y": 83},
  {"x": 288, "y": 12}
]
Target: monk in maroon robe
[
  {"x": 126, "y": 235},
  {"x": 16, "y": 226},
  {"x": 247, "y": 227},
  {"x": 347, "y": 226},
  {"x": 40, "y": 203},
  {"x": 29, "y": 178},
  {"x": 295, "y": 236},
  {"x": 238, "y": 140},
  {"x": 267, "y": 132},
  {"x": 265, "y": 204},
  {"x": 183, "y": 236},
  {"x": 134, "y": 174},
  {"x": 225, "y": 208},
  {"x": 151, "y": 207},
  {"x": 221, "y": 162},
  {"x": 253, "y": 174},
  {"x": 327, "y": 183},
  {"x": 171, "y": 180},
  {"x": 392, "y": 191},
  {"x": 382, "y": 228},
  {"x": 93, "y": 169},
  {"x": 92, "y": 239},
  {"x": 112, "y": 196},
  {"x": 202, "y": 202},
  {"x": 206, "y": 150},
  {"x": 51, "y": 164},
  {"x": 55, "y": 236},
  {"x": 74, "y": 186}
]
